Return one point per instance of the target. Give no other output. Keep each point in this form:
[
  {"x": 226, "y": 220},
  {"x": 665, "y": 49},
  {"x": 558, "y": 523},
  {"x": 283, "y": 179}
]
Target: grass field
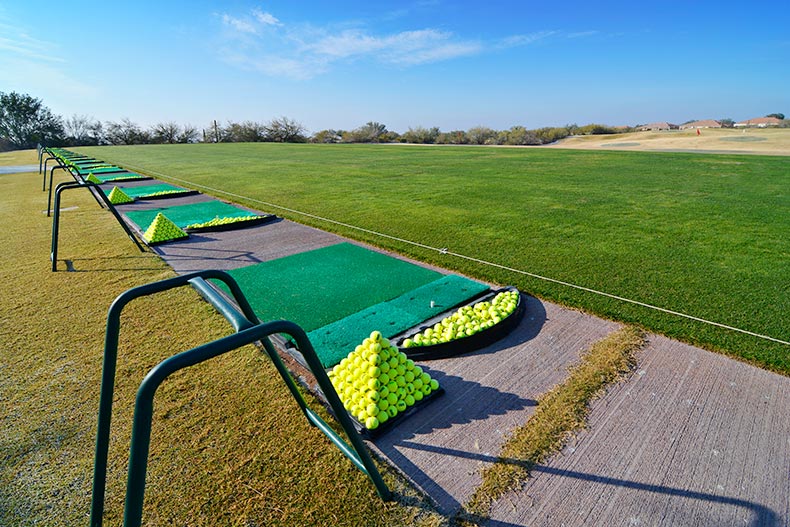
[
  {"x": 701, "y": 234},
  {"x": 221, "y": 453}
]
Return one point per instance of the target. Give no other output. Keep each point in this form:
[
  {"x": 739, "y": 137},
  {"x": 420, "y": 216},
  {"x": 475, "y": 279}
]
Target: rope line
[{"x": 444, "y": 250}]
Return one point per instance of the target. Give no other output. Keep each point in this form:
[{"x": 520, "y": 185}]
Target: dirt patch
[{"x": 709, "y": 140}]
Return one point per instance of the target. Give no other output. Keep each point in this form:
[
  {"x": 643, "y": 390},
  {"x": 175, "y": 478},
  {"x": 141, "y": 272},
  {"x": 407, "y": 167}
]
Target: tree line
[{"x": 26, "y": 122}]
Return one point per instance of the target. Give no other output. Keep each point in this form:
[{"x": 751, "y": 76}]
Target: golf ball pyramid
[
  {"x": 162, "y": 230},
  {"x": 467, "y": 321},
  {"x": 119, "y": 197},
  {"x": 376, "y": 382}
]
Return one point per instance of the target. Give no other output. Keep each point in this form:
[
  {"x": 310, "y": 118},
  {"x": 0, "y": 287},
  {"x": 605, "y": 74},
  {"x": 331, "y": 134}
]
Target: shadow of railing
[{"x": 762, "y": 516}]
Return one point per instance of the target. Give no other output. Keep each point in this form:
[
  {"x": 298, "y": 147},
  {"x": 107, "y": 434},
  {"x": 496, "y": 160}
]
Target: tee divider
[{"x": 249, "y": 329}]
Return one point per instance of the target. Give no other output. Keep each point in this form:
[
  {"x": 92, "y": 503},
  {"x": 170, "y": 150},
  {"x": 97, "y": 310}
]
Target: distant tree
[
  {"x": 726, "y": 122},
  {"x": 549, "y": 135},
  {"x": 245, "y": 132},
  {"x": 596, "y": 129},
  {"x": 166, "y": 132},
  {"x": 189, "y": 134},
  {"x": 370, "y": 132},
  {"x": 285, "y": 130},
  {"x": 327, "y": 136},
  {"x": 480, "y": 135},
  {"x": 25, "y": 122},
  {"x": 779, "y": 116},
  {"x": 519, "y": 135},
  {"x": 455, "y": 137},
  {"x": 126, "y": 132},
  {"x": 420, "y": 135},
  {"x": 81, "y": 130}
]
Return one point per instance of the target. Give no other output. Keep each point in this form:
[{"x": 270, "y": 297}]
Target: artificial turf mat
[
  {"x": 118, "y": 176},
  {"x": 185, "y": 215},
  {"x": 151, "y": 190},
  {"x": 336, "y": 340},
  {"x": 86, "y": 171},
  {"x": 315, "y": 288}
]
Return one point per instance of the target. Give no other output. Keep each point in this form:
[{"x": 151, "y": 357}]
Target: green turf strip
[
  {"x": 149, "y": 190},
  {"x": 86, "y": 171},
  {"x": 316, "y": 288},
  {"x": 336, "y": 340},
  {"x": 184, "y": 215},
  {"x": 119, "y": 176}
]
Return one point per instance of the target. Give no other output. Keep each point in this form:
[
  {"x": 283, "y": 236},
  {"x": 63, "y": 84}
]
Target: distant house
[
  {"x": 657, "y": 127},
  {"x": 758, "y": 122},
  {"x": 705, "y": 123}
]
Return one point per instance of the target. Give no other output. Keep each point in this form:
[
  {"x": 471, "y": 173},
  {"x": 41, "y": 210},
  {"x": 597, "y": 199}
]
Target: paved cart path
[{"x": 692, "y": 438}]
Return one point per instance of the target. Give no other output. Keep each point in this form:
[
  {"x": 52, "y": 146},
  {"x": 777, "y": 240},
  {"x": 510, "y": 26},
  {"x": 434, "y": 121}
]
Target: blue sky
[{"x": 409, "y": 63}]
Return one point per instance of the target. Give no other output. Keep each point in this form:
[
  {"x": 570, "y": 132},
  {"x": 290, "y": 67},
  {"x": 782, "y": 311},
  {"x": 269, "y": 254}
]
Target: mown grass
[
  {"x": 701, "y": 234},
  {"x": 229, "y": 444},
  {"x": 561, "y": 413}
]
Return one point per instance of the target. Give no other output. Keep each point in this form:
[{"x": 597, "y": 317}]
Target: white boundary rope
[{"x": 470, "y": 258}]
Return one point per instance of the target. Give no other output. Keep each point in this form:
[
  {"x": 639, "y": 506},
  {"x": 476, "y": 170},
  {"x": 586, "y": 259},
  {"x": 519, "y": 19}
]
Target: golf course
[{"x": 703, "y": 235}]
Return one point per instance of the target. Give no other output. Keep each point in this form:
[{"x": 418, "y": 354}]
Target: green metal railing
[
  {"x": 53, "y": 255},
  {"x": 248, "y": 330}
]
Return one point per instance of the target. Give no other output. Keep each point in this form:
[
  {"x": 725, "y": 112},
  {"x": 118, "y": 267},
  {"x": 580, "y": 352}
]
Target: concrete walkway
[{"x": 692, "y": 438}]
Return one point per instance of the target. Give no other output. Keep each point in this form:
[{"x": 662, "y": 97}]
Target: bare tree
[
  {"x": 189, "y": 134},
  {"x": 166, "y": 132},
  {"x": 126, "y": 132},
  {"x": 285, "y": 130}
]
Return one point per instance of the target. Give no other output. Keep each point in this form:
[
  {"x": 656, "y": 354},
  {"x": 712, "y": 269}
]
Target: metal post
[
  {"x": 56, "y": 218},
  {"x": 44, "y": 183},
  {"x": 253, "y": 331}
]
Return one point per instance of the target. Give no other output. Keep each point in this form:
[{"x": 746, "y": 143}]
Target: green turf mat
[
  {"x": 86, "y": 171},
  {"x": 184, "y": 215},
  {"x": 149, "y": 190},
  {"x": 336, "y": 340},
  {"x": 119, "y": 176},
  {"x": 318, "y": 287}
]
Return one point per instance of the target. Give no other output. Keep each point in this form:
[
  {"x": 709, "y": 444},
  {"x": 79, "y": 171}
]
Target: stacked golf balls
[{"x": 377, "y": 381}]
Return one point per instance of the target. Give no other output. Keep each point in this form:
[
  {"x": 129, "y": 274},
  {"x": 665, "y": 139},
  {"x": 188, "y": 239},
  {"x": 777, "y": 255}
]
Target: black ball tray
[{"x": 468, "y": 344}]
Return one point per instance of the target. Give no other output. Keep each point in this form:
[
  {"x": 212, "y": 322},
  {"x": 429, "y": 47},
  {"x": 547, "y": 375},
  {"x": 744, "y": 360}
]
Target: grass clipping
[{"x": 560, "y": 413}]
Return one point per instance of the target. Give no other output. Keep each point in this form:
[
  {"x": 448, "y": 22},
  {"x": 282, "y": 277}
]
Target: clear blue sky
[{"x": 426, "y": 63}]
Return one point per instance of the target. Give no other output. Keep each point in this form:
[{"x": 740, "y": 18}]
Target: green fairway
[
  {"x": 229, "y": 445},
  {"x": 704, "y": 234}
]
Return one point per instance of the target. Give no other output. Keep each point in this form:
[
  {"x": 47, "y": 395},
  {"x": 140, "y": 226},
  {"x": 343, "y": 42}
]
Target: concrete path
[{"x": 692, "y": 438}]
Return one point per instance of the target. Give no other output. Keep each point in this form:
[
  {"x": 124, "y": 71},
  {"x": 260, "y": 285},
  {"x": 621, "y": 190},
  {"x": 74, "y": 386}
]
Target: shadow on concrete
[
  {"x": 762, "y": 516},
  {"x": 529, "y": 327}
]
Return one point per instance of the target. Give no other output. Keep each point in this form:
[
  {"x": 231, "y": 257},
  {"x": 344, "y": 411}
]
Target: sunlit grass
[
  {"x": 229, "y": 446},
  {"x": 705, "y": 235}
]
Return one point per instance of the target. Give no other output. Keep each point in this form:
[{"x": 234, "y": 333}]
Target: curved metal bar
[
  {"x": 51, "y": 172},
  {"x": 44, "y": 183},
  {"x": 144, "y": 405},
  {"x": 109, "y": 367},
  {"x": 253, "y": 331},
  {"x": 56, "y": 218}
]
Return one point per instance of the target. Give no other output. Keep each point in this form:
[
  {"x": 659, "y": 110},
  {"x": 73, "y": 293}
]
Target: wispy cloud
[
  {"x": 258, "y": 40},
  {"x": 31, "y": 64},
  {"x": 583, "y": 34},
  {"x": 525, "y": 39},
  {"x": 17, "y": 42},
  {"x": 265, "y": 18}
]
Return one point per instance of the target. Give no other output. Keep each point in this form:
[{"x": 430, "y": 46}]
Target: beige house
[
  {"x": 657, "y": 127},
  {"x": 705, "y": 123},
  {"x": 759, "y": 122}
]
